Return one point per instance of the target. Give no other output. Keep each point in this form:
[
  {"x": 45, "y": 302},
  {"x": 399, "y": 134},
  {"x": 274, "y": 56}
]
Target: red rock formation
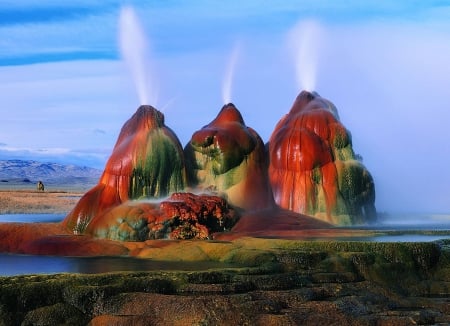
[
  {"x": 147, "y": 161},
  {"x": 181, "y": 216},
  {"x": 313, "y": 169},
  {"x": 229, "y": 158}
]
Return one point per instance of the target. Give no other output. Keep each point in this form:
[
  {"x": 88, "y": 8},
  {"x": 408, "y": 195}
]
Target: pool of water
[
  {"x": 31, "y": 218},
  {"x": 405, "y": 237},
  {"x": 398, "y": 229},
  {"x": 30, "y": 264}
]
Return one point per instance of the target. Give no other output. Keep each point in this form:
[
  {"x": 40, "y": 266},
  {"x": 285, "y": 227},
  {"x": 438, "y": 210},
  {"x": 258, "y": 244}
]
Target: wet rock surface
[
  {"x": 229, "y": 157},
  {"x": 313, "y": 168},
  {"x": 181, "y": 216},
  {"x": 147, "y": 161},
  {"x": 275, "y": 282}
]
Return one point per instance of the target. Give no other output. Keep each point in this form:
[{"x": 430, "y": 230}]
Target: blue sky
[{"x": 65, "y": 91}]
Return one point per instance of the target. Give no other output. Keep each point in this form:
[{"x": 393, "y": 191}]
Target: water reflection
[
  {"x": 29, "y": 264},
  {"x": 388, "y": 237},
  {"x": 31, "y": 218},
  {"x": 406, "y": 228}
]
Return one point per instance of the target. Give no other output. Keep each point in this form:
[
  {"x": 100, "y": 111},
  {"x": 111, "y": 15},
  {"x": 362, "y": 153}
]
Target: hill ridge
[{"x": 36, "y": 170}]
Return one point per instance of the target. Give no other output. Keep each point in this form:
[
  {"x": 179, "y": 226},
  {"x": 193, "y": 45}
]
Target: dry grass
[{"x": 30, "y": 201}]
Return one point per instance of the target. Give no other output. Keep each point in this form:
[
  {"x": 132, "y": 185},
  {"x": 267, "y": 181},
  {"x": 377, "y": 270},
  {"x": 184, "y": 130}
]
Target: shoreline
[{"x": 275, "y": 281}]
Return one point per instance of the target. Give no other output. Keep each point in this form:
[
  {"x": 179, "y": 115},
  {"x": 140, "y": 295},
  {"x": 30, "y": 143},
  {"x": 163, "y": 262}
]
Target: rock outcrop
[
  {"x": 313, "y": 169},
  {"x": 147, "y": 162},
  {"x": 181, "y": 216},
  {"x": 229, "y": 158}
]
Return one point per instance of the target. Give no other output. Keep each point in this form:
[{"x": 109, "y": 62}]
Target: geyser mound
[
  {"x": 313, "y": 168},
  {"x": 312, "y": 171},
  {"x": 147, "y": 162},
  {"x": 229, "y": 158}
]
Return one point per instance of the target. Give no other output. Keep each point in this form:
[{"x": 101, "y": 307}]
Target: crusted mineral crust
[
  {"x": 181, "y": 216},
  {"x": 228, "y": 157},
  {"x": 312, "y": 171},
  {"x": 313, "y": 168},
  {"x": 147, "y": 161}
]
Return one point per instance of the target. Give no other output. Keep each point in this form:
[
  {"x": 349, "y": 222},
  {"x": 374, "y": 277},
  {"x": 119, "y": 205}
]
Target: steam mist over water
[
  {"x": 304, "y": 40},
  {"x": 136, "y": 54},
  {"x": 229, "y": 73}
]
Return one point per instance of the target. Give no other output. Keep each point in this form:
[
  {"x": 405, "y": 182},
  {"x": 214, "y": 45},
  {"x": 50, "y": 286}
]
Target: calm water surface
[
  {"x": 406, "y": 228},
  {"x": 31, "y": 218},
  {"x": 31, "y": 264}
]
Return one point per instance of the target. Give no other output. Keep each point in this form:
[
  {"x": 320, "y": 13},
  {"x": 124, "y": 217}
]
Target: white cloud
[{"x": 91, "y": 33}]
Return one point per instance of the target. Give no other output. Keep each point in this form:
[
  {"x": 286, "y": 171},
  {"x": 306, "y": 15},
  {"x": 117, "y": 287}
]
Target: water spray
[
  {"x": 229, "y": 73},
  {"x": 135, "y": 52},
  {"x": 304, "y": 40}
]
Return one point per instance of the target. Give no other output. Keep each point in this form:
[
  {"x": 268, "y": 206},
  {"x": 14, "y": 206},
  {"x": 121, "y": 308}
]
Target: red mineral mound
[
  {"x": 147, "y": 161},
  {"x": 181, "y": 216},
  {"x": 313, "y": 169},
  {"x": 229, "y": 158}
]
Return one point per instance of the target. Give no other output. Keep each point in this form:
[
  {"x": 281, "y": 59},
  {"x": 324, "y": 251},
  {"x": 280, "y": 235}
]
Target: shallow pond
[
  {"x": 31, "y": 218},
  {"x": 420, "y": 228},
  {"x": 31, "y": 264}
]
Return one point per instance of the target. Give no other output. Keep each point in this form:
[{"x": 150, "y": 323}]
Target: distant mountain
[{"x": 53, "y": 172}]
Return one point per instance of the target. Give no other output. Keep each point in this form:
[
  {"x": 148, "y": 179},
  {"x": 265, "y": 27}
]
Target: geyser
[
  {"x": 229, "y": 73},
  {"x": 135, "y": 52},
  {"x": 304, "y": 42}
]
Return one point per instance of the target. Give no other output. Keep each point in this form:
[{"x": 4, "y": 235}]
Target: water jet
[
  {"x": 304, "y": 42},
  {"x": 229, "y": 74},
  {"x": 135, "y": 51}
]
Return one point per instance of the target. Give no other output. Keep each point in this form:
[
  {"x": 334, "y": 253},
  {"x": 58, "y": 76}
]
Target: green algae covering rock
[
  {"x": 147, "y": 161},
  {"x": 229, "y": 158},
  {"x": 313, "y": 168}
]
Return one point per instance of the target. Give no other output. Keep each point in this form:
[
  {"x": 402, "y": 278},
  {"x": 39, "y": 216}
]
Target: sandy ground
[{"x": 32, "y": 201}]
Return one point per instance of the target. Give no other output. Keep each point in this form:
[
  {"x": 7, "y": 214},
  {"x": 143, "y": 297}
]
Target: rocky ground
[{"x": 275, "y": 282}]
